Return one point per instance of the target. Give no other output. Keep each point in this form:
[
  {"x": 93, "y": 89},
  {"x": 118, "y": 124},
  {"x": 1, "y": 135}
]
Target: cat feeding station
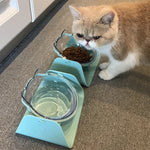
[{"x": 54, "y": 99}]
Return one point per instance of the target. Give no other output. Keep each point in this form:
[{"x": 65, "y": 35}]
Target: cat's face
[{"x": 92, "y": 27}]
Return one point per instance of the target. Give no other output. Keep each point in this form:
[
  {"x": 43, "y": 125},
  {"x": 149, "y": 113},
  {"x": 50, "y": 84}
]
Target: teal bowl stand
[{"x": 52, "y": 131}]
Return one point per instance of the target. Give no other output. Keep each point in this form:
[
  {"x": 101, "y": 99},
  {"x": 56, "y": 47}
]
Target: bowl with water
[{"x": 50, "y": 96}]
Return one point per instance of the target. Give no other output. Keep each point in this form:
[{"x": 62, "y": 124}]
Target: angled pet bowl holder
[
  {"x": 83, "y": 74},
  {"x": 52, "y": 131}
]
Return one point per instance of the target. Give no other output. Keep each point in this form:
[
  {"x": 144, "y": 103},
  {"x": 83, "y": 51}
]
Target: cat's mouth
[{"x": 87, "y": 46}]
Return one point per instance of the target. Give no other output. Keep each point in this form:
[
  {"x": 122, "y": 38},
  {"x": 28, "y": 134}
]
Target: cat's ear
[
  {"x": 75, "y": 13},
  {"x": 107, "y": 18}
]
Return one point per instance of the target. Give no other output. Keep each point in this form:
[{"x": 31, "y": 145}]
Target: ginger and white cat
[{"x": 120, "y": 31}]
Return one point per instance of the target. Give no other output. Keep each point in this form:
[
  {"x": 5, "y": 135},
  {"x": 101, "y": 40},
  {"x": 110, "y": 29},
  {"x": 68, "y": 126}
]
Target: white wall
[
  {"x": 13, "y": 20},
  {"x": 15, "y": 15},
  {"x": 38, "y": 6}
]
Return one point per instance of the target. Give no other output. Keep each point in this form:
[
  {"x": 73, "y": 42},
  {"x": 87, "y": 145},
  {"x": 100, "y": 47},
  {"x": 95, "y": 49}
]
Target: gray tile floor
[{"x": 115, "y": 114}]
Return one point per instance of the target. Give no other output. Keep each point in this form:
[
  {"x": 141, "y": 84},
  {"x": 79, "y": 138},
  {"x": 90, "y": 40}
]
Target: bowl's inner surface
[
  {"x": 51, "y": 103},
  {"x": 53, "y": 97}
]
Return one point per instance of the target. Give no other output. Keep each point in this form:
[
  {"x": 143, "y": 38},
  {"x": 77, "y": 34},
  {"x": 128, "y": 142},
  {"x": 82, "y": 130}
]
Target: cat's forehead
[
  {"x": 89, "y": 18},
  {"x": 89, "y": 21},
  {"x": 93, "y": 13},
  {"x": 93, "y": 25},
  {"x": 88, "y": 28}
]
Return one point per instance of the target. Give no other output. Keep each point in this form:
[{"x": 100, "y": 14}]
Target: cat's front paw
[
  {"x": 103, "y": 65},
  {"x": 105, "y": 75}
]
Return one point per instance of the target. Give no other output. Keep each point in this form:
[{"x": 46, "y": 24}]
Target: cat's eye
[
  {"x": 96, "y": 37},
  {"x": 80, "y": 35}
]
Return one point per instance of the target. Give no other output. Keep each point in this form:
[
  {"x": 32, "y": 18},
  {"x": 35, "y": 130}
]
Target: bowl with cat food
[{"x": 66, "y": 47}]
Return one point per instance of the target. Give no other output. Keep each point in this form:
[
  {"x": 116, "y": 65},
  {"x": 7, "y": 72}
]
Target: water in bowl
[{"x": 51, "y": 103}]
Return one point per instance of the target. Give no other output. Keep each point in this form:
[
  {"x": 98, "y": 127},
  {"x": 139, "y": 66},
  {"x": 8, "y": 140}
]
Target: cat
[{"x": 120, "y": 31}]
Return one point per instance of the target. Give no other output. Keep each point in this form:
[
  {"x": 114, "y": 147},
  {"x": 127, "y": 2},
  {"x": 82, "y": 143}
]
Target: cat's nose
[{"x": 88, "y": 40}]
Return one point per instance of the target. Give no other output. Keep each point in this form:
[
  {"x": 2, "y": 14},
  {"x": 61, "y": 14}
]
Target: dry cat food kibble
[{"x": 77, "y": 54}]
